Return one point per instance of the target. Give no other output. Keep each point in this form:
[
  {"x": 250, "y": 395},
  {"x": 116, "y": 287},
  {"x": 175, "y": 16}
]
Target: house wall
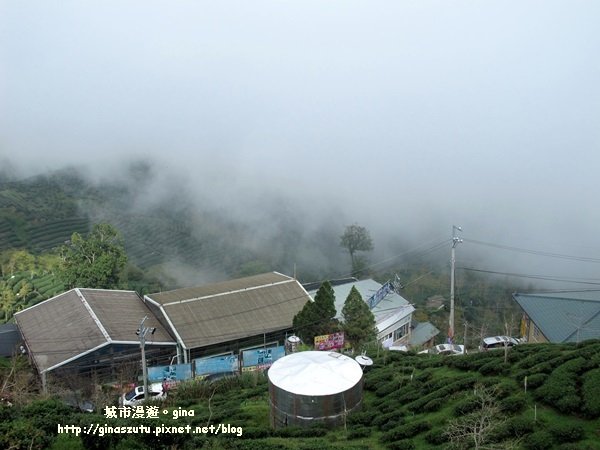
[
  {"x": 534, "y": 334},
  {"x": 402, "y": 326},
  {"x": 115, "y": 362}
]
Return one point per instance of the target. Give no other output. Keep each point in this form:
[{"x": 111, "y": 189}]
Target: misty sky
[{"x": 404, "y": 116}]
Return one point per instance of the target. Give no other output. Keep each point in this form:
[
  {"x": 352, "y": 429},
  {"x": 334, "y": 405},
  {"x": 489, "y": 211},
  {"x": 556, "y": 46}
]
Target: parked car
[
  {"x": 494, "y": 342},
  {"x": 136, "y": 396},
  {"x": 446, "y": 349}
]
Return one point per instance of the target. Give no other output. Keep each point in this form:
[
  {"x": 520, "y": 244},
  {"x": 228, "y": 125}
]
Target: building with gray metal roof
[
  {"x": 568, "y": 316},
  {"x": 225, "y": 316},
  {"x": 89, "y": 330},
  {"x": 393, "y": 313}
]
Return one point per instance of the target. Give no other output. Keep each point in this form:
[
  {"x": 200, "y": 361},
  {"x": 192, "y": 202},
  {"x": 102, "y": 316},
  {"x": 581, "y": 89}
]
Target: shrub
[
  {"x": 404, "y": 444},
  {"x": 591, "y": 393},
  {"x": 540, "y": 440},
  {"x": 394, "y": 418},
  {"x": 515, "y": 427},
  {"x": 466, "y": 406},
  {"x": 569, "y": 403},
  {"x": 513, "y": 404},
  {"x": 255, "y": 433},
  {"x": 361, "y": 418},
  {"x": 578, "y": 446},
  {"x": 426, "y": 375},
  {"x": 566, "y": 432},
  {"x": 541, "y": 368},
  {"x": 496, "y": 367},
  {"x": 536, "y": 380},
  {"x": 300, "y": 432},
  {"x": 536, "y": 358},
  {"x": 391, "y": 386},
  {"x": 359, "y": 432},
  {"x": 436, "y": 437},
  {"x": 406, "y": 431},
  {"x": 506, "y": 388},
  {"x": 433, "y": 405},
  {"x": 560, "y": 389}
]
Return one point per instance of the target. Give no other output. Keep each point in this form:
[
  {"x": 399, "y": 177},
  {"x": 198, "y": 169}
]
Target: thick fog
[{"x": 406, "y": 117}]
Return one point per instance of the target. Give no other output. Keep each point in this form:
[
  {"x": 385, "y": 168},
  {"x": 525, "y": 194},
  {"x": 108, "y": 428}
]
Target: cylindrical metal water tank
[
  {"x": 314, "y": 387},
  {"x": 291, "y": 344}
]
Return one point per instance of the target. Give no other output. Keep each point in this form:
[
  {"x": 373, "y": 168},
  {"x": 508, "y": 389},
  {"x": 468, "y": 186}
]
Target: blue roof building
[{"x": 568, "y": 316}]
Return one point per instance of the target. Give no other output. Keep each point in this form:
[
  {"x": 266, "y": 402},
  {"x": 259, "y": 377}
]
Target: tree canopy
[
  {"x": 359, "y": 322},
  {"x": 95, "y": 262},
  {"x": 356, "y": 239},
  {"x": 317, "y": 317}
]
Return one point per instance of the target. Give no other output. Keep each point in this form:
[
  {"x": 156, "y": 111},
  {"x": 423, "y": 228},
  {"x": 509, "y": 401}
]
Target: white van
[
  {"x": 494, "y": 342},
  {"x": 446, "y": 349}
]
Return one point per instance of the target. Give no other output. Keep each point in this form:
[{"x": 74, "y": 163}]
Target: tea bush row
[
  {"x": 405, "y": 431},
  {"x": 560, "y": 389},
  {"x": 590, "y": 390}
]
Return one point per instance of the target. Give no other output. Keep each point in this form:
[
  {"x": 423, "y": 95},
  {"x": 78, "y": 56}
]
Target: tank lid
[{"x": 315, "y": 373}]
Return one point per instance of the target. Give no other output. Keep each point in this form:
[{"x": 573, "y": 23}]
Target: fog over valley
[{"x": 277, "y": 124}]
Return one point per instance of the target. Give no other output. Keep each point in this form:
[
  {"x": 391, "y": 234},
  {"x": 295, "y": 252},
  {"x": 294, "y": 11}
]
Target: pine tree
[
  {"x": 359, "y": 322},
  {"x": 317, "y": 317}
]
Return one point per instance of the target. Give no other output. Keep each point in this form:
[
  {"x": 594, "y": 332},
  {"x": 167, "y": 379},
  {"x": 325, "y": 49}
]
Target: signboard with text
[{"x": 329, "y": 341}]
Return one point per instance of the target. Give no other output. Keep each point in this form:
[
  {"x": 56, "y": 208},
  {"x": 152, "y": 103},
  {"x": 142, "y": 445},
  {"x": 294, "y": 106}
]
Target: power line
[
  {"x": 589, "y": 281},
  {"x": 535, "y": 252}
]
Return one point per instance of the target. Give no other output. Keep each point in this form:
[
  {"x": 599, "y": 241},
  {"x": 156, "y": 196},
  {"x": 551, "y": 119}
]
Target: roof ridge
[
  {"x": 220, "y": 294},
  {"x": 95, "y": 318},
  {"x": 571, "y": 299}
]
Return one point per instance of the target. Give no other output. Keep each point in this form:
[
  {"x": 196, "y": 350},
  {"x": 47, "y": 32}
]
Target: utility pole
[
  {"x": 142, "y": 331},
  {"x": 455, "y": 240},
  {"x": 465, "y": 337}
]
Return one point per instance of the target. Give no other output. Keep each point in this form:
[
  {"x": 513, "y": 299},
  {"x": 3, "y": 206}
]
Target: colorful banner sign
[
  {"x": 261, "y": 358},
  {"x": 216, "y": 364},
  {"x": 329, "y": 341}
]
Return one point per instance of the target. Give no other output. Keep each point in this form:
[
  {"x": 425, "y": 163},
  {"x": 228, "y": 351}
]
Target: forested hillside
[{"x": 170, "y": 244}]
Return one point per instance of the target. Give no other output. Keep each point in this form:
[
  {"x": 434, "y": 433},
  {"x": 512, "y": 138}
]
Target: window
[{"x": 402, "y": 331}]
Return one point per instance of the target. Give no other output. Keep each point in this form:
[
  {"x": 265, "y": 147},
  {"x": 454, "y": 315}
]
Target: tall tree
[
  {"x": 356, "y": 239},
  {"x": 317, "y": 317},
  {"x": 359, "y": 322},
  {"x": 95, "y": 262}
]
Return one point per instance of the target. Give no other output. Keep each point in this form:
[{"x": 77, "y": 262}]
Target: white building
[{"x": 393, "y": 313}]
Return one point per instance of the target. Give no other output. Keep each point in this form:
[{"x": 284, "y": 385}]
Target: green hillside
[
  {"x": 41, "y": 213},
  {"x": 410, "y": 402},
  {"x": 38, "y": 214}
]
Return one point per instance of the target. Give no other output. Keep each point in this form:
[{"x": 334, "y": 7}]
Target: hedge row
[{"x": 560, "y": 389}]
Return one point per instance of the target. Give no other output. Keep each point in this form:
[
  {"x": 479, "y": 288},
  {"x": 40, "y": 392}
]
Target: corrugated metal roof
[
  {"x": 423, "y": 332},
  {"x": 218, "y": 288},
  {"x": 78, "y": 321},
  {"x": 58, "y": 329},
  {"x": 121, "y": 312},
  {"x": 233, "y": 310},
  {"x": 564, "y": 316}
]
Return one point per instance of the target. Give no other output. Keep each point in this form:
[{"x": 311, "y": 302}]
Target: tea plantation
[{"x": 545, "y": 396}]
